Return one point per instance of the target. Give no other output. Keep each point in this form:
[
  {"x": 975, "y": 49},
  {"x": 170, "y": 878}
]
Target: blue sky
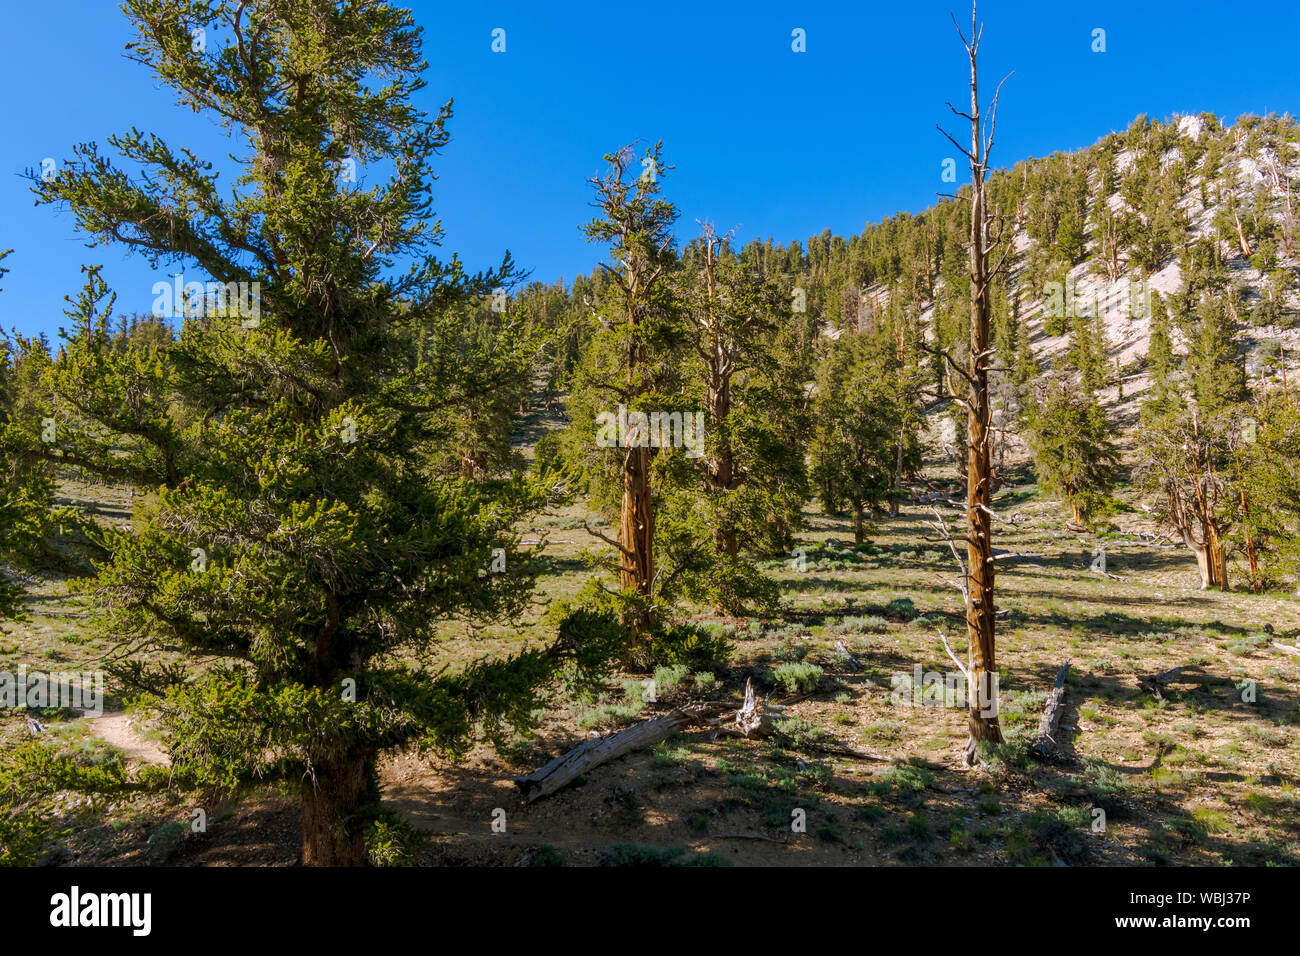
[{"x": 773, "y": 142}]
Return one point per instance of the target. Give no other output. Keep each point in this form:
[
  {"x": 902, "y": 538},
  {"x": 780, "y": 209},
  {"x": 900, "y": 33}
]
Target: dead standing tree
[
  {"x": 978, "y": 574},
  {"x": 715, "y": 342}
]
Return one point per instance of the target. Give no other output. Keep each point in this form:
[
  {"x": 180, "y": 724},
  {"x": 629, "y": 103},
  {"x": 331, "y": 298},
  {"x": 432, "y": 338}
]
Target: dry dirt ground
[{"x": 1206, "y": 775}]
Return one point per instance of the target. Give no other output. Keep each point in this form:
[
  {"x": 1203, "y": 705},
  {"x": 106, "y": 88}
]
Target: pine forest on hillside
[{"x": 970, "y": 539}]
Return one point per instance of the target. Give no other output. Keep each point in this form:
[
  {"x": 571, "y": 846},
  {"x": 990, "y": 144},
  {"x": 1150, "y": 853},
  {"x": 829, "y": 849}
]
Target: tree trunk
[
  {"x": 721, "y": 469},
  {"x": 467, "y": 457},
  {"x": 725, "y": 541},
  {"x": 636, "y": 528},
  {"x": 332, "y": 828},
  {"x": 1211, "y": 564},
  {"x": 982, "y": 717},
  {"x": 636, "y": 533},
  {"x": 1203, "y": 565},
  {"x": 1255, "y": 584},
  {"x": 857, "y": 523},
  {"x": 781, "y": 536},
  {"x": 898, "y": 476},
  {"x": 1246, "y": 251},
  {"x": 1218, "y": 562}
]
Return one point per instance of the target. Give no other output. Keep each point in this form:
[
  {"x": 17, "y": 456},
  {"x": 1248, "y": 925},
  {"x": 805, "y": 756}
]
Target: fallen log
[
  {"x": 1045, "y": 746},
  {"x": 567, "y": 767},
  {"x": 754, "y": 719},
  {"x": 1287, "y": 648},
  {"x": 1148, "y": 538},
  {"x": 1156, "y": 682}
]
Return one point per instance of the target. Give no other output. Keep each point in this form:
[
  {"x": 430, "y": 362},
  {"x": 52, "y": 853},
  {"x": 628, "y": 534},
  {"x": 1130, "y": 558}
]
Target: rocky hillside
[{"x": 1229, "y": 191}]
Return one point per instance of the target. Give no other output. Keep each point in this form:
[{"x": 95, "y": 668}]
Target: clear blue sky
[{"x": 774, "y": 142}]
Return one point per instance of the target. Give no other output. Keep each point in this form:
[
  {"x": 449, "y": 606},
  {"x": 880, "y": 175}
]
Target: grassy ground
[{"x": 1206, "y": 775}]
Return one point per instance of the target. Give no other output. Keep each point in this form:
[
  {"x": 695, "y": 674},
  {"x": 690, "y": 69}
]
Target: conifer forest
[{"x": 959, "y": 530}]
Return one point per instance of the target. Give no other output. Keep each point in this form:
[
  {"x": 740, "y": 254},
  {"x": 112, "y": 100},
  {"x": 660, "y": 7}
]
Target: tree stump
[
  {"x": 1156, "y": 682},
  {"x": 1045, "y": 746}
]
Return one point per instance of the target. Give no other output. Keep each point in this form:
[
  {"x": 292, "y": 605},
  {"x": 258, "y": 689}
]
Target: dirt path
[{"x": 119, "y": 730}]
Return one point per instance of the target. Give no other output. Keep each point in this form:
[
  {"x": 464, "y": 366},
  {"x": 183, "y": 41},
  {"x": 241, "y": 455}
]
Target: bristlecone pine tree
[
  {"x": 1192, "y": 443},
  {"x": 726, "y": 323},
  {"x": 1186, "y": 458},
  {"x": 626, "y": 363},
  {"x": 860, "y": 414},
  {"x": 744, "y": 493},
  {"x": 1272, "y": 450},
  {"x": 296, "y": 540},
  {"x": 1074, "y": 455}
]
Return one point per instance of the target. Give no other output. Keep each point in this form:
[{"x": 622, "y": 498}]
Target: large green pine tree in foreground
[{"x": 296, "y": 539}]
